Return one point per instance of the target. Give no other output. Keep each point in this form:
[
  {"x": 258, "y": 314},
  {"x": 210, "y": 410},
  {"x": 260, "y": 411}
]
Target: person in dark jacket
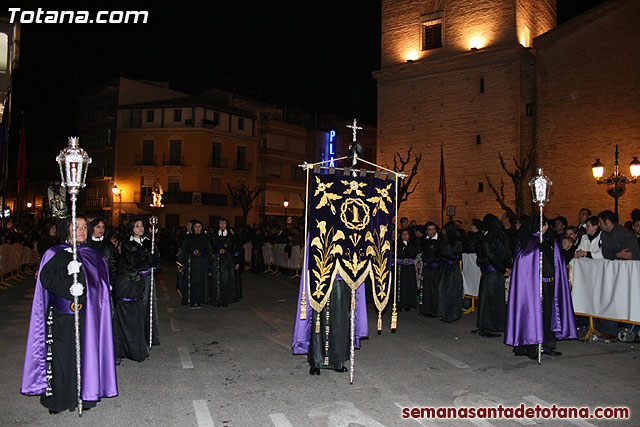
[
  {"x": 494, "y": 259},
  {"x": 450, "y": 284}
]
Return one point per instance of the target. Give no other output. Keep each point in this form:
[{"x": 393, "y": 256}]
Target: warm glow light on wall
[
  {"x": 477, "y": 42},
  {"x": 412, "y": 55}
]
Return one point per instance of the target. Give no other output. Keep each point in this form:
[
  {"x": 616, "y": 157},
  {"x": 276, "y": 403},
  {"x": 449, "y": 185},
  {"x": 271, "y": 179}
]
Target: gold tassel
[
  {"x": 379, "y": 321},
  {"x": 303, "y": 308},
  {"x": 318, "y": 323},
  {"x": 394, "y": 318}
]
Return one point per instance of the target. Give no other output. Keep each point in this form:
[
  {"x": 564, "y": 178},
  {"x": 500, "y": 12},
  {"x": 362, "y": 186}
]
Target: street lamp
[
  {"x": 286, "y": 205},
  {"x": 117, "y": 192},
  {"x": 29, "y": 204},
  {"x": 616, "y": 182}
]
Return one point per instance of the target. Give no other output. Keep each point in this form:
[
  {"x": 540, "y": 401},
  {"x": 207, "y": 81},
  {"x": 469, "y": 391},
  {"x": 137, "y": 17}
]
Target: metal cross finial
[{"x": 355, "y": 129}]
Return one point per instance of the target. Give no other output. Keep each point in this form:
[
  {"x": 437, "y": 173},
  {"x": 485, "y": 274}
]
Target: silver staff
[
  {"x": 74, "y": 162},
  {"x": 352, "y": 332},
  {"x": 540, "y": 186},
  {"x": 153, "y": 221}
]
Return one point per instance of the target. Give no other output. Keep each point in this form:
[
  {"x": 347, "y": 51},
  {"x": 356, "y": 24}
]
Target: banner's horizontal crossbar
[{"x": 350, "y": 171}]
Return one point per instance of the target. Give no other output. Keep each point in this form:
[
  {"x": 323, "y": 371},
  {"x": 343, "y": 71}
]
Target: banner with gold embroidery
[{"x": 350, "y": 235}]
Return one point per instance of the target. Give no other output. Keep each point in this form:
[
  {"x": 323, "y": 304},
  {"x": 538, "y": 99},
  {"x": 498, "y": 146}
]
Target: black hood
[{"x": 492, "y": 224}]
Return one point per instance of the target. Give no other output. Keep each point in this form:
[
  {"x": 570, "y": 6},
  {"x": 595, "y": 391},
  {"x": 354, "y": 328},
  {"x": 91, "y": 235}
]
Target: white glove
[
  {"x": 73, "y": 267},
  {"x": 76, "y": 290}
]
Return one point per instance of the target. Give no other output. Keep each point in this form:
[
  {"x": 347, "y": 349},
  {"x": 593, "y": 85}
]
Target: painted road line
[
  {"x": 446, "y": 358},
  {"x": 185, "y": 358},
  {"x": 174, "y": 325},
  {"x": 203, "y": 416},
  {"x": 537, "y": 401},
  {"x": 280, "y": 420}
]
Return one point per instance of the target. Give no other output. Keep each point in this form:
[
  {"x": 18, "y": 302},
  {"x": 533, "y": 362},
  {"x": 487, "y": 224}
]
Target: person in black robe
[
  {"x": 131, "y": 319},
  {"x": 430, "y": 272},
  {"x": 450, "y": 285},
  {"x": 474, "y": 237},
  {"x": 406, "y": 280},
  {"x": 195, "y": 256},
  {"x": 100, "y": 241},
  {"x": 257, "y": 259},
  {"x": 137, "y": 239},
  {"x": 224, "y": 266},
  {"x": 495, "y": 261},
  {"x": 49, "y": 239},
  {"x": 330, "y": 348},
  {"x": 238, "y": 256}
]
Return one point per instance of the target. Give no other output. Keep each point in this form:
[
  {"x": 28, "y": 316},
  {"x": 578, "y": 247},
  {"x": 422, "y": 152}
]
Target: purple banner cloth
[
  {"x": 524, "y": 312},
  {"x": 302, "y": 328},
  {"x": 98, "y": 360}
]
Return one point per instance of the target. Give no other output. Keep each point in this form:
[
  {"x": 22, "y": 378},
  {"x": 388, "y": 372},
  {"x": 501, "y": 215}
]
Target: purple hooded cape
[
  {"x": 302, "y": 328},
  {"x": 98, "y": 358},
  {"x": 524, "y": 312}
]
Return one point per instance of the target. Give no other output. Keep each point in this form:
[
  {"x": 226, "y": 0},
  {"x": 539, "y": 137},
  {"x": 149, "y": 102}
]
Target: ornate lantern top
[
  {"x": 540, "y": 187},
  {"x": 73, "y": 162}
]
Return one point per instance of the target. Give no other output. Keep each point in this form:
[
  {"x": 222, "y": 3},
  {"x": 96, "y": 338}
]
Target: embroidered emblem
[
  {"x": 196, "y": 252},
  {"x": 354, "y": 213}
]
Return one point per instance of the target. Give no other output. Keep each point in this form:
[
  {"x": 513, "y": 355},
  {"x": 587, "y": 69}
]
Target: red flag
[
  {"x": 442, "y": 189},
  {"x": 21, "y": 172}
]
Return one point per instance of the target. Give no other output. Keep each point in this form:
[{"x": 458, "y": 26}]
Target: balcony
[
  {"x": 99, "y": 172},
  {"x": 219, "y": 163},
  {"x": 98, "y": 202},
  {"x": 243, "y": 166},
  {"x": 145, "y": 161},
  {"x": 142, "y": 198},
  {"x": 169, "y": 160}
]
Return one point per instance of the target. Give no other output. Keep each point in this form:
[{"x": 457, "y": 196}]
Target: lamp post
[
  {"x": 616, "y": 182},
  {"x": 286, "y": 205},
  {"x": 117, "y": 192}
]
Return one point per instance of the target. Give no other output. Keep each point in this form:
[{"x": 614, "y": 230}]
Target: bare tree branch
[
  {"x": 244, "y": 196},
  {"x": 499, "y": 194}
]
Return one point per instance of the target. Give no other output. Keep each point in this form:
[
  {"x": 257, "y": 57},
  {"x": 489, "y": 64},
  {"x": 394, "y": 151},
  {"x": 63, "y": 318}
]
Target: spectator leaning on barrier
[
  {"x": 590, "y": 243},
  {"x": 617, "y": 241}
]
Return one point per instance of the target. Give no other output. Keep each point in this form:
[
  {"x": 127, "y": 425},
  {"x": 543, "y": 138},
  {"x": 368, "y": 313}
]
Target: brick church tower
[{"x": 459, "y": 74}]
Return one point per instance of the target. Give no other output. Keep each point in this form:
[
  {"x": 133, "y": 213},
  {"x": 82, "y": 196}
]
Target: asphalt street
[{"x": 233, "y": 366}]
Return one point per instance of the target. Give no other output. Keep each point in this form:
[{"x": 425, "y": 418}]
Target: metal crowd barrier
[
  {"x": 16, "y": 260},
  {"x": 275, "y": 258}
]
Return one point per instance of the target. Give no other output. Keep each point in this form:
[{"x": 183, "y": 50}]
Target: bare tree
[
  {"x": 400, "y": 165},
  {"x": 519, "y": 177},
  {"x": 244, "y": 197}
]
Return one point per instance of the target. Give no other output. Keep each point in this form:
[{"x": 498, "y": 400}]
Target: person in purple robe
[
  {"x": 531, "y": 321},
  {"x": 50, "y": 361}
]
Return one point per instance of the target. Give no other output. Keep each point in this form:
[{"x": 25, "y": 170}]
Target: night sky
[{"x": 314, "y": 55}]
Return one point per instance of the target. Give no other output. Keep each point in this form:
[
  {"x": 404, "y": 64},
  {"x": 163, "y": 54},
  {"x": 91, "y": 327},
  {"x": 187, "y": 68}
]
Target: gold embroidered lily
[
  {"x": 327, "y": 247},
  {"x": 381, "y": 199},
  {"x": 326, "y": 196}
]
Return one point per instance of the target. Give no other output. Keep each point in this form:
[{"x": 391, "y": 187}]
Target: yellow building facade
[{"x": 193, "y": 149}]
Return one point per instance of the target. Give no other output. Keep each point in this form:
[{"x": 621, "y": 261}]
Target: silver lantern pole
[
  {"x": 155, "y": 206},
  {"x": 153, "y": 221},
  {"x": 73, "y": 162},
  {"x": 540, "y": 186}
]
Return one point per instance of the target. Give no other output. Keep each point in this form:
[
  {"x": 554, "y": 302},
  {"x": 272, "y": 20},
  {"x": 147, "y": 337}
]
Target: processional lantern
[
  {"x": 73, "y": 162},
  {"x": 540, "y": 187}
]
